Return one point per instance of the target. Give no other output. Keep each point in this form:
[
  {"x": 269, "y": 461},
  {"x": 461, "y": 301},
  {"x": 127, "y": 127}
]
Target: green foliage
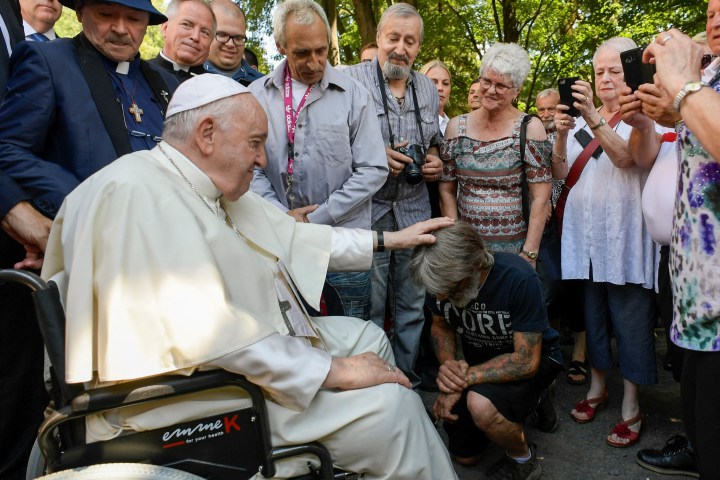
[{"x": 560, "y": 35}]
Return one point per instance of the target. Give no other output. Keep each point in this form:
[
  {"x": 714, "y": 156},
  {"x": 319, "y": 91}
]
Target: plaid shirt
[{"x": 409, "y": 203}]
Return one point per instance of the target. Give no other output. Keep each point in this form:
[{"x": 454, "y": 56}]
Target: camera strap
[{"x": 418, "y": 119}]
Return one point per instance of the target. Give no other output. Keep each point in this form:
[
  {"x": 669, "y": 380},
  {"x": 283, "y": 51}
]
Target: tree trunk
[
  {"x": 330, "y": 7},
  {"x": 365, "y": 18}
]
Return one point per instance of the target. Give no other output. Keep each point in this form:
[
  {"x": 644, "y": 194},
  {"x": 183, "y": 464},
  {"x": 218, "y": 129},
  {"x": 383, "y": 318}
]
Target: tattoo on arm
[
  {"x": 443, "y": 339},
  {"x": 519, "y": 365}
]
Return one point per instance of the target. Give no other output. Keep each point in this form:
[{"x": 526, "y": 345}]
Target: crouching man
[
  {"x": 172, "y": 265},
  {"x": 508, "y": 356}
]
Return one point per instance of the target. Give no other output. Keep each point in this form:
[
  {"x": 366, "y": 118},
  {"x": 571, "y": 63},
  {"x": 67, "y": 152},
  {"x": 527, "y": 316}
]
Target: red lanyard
[{"x": 291, "y": 117}]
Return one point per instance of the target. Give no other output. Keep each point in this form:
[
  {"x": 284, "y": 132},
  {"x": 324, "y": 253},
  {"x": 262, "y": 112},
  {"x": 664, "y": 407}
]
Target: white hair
[
  {"x": 507, "y": 59},
  {"x": 174, "y": 6},
  {"x": 304, "y": 11},
  {"x": 618, "y": 44},
  {"x": 181, "y": 125},
  {"x": 546, "y": 93},
  {"x": 403, "y": 10}
]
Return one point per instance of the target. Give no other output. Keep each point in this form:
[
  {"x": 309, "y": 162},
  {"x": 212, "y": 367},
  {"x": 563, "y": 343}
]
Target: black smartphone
[
  {"x": 636, "y": 72},
  {"x": 566, "y": 92}
]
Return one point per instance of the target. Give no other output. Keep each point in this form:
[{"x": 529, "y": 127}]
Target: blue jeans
[
  {"x": 628, "y": 309},
  {"x": 392, "y": 285},
  {"x": 353, "y": 290}
]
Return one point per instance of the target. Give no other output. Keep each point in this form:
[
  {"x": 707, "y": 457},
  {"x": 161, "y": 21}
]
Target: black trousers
[{"x": 22, "y": 390}]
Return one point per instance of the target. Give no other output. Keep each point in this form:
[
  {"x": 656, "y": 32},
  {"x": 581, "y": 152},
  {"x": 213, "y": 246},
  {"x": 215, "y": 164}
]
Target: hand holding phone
[
  {"x": 636, "y": 72},
  {"x": 566, "y": 92}
]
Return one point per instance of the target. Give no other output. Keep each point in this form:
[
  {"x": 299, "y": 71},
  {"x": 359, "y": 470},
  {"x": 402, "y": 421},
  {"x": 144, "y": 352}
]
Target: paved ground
[{"x": 577, "y": 451}]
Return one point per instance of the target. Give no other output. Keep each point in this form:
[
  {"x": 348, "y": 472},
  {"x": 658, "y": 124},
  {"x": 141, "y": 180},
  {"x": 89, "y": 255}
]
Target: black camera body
[
  {"x": 636, "y": 72},
  {"x": 413, "y": 170}
]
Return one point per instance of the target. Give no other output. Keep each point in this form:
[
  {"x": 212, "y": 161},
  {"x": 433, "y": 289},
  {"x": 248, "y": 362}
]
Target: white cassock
[{"x": 159, "y": 282}]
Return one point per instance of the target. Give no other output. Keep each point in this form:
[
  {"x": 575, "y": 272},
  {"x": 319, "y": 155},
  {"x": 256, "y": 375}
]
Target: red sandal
[
  {"x": 622, "y": 430},
  {"x": 589, "y": 407}
]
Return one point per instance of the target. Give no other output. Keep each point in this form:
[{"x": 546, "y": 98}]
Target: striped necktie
[{"x": 38, "y": 37}]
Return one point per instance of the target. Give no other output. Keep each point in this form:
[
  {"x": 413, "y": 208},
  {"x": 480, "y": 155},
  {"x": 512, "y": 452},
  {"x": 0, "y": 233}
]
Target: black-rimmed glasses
[
  {"x": 500, "y": 88},
  {"x": 238, "y": 40}
]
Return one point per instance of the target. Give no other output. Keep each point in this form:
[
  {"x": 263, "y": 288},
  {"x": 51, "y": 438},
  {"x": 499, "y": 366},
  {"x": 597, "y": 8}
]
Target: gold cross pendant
[{"x": 136, "y": 112}]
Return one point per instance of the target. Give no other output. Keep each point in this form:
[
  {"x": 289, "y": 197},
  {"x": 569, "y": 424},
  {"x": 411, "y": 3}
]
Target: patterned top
[
  {"x": 694, "y": 256},
  {"x": 488, "y": 174},
  {"x": 409, "y": 203}
]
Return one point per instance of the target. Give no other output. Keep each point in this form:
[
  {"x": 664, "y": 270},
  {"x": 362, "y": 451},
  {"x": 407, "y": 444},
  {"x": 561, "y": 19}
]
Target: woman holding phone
[{"x": 605, "y": 242}]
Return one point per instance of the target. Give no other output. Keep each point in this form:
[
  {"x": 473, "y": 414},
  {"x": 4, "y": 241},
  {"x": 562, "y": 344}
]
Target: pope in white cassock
[{"x": 172, "y": 265}]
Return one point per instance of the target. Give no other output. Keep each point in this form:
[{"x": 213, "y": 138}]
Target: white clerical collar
[
  {"x": 176, "y": 66},
  {"x": 194, "y": 175},
  {"x": 123, "y": 68},
  {"x": 29, "y": 30}
]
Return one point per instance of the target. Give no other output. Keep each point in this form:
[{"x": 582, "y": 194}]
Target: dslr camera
[{"x": 413, "y": 170}]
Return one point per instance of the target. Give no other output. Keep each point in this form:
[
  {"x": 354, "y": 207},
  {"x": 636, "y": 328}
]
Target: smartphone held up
[{"x": 566, "y": 92}]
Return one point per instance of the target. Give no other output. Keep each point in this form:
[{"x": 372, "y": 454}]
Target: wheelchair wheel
[
  {"x": 36, "y": 463},
  {"x": 119, "y": 471}
]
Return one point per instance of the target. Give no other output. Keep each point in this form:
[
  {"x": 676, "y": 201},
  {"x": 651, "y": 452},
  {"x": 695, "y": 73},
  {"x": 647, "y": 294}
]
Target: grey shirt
[
  {"x": 339, "y": 154},
  {"x": 409, "y": 203}
]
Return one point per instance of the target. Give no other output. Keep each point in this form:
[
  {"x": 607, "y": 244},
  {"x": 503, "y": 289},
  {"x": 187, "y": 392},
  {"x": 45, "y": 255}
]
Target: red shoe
[
  {"x": 622, "y": 431},
  {"x": 589, "y": 407}
]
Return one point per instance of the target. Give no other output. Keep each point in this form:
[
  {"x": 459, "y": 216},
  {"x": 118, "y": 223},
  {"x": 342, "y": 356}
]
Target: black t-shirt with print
[{"x": 510, "y": 300}]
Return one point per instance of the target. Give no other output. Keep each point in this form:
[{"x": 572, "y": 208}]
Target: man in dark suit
[
  {"x": 188, "y": 33},
  {"x": 39, "y": 17},
  {"x": 71, "y": 107},
  {"x": 11, "y": 33}
]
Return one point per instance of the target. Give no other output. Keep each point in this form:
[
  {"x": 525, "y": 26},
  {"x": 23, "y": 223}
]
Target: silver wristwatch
[{"x": 687, "y": 89}]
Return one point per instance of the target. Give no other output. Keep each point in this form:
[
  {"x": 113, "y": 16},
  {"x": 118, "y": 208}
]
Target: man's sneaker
[
  {"x": 546, "y": 416},
  {"x": 677, "y": 457},
  {"x": 508, "y": 469}
]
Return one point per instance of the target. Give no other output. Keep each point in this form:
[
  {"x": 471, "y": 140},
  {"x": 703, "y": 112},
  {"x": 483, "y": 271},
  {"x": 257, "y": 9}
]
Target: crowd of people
[{"x": 322, "y": 222}]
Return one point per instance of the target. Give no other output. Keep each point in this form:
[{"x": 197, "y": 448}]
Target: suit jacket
[
  {"x": 163, "y": 65},
  {"x": 59, "y": 121},
  {"x": 10, "y": 12}
]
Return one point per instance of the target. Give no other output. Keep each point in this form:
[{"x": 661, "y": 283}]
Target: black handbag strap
[{"x": 523, "y": 177}]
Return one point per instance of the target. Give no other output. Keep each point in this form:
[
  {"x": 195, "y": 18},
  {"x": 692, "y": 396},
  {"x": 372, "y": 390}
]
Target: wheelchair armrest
[{"x": 154, "y": 388}]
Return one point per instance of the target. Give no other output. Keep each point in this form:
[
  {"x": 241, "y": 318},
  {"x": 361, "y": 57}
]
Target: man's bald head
[{"x": 227, "y": 52}]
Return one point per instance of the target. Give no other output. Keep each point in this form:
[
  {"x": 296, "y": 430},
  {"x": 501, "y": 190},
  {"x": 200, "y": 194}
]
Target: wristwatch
[
  {"x": 530, "y": 255},
  {"x": 687, "y": 89}
]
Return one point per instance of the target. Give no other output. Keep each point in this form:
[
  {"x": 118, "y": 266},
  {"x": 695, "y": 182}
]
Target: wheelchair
[{"x": 232, "y": 445}]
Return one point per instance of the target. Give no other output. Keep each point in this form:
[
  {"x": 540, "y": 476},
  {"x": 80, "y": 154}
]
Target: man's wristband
[{"x": 380, "y": 241}]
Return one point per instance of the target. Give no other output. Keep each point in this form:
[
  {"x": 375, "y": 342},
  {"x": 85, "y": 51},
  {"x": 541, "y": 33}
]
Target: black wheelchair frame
[{"x": 214, "y": 452}]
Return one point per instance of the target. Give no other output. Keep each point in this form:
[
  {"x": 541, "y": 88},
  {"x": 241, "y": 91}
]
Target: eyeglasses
[
  {"x": 500, "y": 88},
  {"x": 707, "y": 59},
  {"x": 238, "y": 40}
]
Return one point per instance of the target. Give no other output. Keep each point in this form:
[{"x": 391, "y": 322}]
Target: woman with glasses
[
  {"x": 484, "y": 171},
  {"x": 605, "y": 242}
]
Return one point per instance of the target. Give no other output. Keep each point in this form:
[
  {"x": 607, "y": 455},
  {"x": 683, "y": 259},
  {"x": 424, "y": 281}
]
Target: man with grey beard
[
  {"x": 407, "y": 104},
  {"x": 508, "y": 356}
]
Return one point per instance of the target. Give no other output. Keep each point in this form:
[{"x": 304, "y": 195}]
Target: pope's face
[
  {"x": 115, "y": 30},
  {"x": 240, "y": 147}
]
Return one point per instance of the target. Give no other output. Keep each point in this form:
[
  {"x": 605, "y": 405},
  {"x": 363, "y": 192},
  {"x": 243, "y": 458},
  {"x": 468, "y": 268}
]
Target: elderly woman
[
  {"x": 440, "y": 75},
  {"x": 605, "y": 242},
  {"x": 483, "y": 173}
]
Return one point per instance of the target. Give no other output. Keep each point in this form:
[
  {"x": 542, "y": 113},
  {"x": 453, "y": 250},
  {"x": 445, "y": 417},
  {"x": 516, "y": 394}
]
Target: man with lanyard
[
  {"x": 188, "y": 33},
  {"x": 324, "y": 159},
  {"x": 407, "y": 103},
  {"x": 228, "y": 46},
  {"x": 39, "y": 17},
  {"x": 71, "y": 107}
]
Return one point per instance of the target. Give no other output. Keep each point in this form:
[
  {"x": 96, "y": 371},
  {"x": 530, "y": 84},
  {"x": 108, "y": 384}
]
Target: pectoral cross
[{"x": 136, "y": 112}]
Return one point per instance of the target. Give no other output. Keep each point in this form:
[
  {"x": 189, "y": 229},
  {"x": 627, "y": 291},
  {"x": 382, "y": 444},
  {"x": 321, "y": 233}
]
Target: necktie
[{"x": 38, "y": 37}]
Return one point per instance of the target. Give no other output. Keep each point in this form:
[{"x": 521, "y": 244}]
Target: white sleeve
[
  {"x": 352, "y": 250},
  {"x": 287, "y": 368}
]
